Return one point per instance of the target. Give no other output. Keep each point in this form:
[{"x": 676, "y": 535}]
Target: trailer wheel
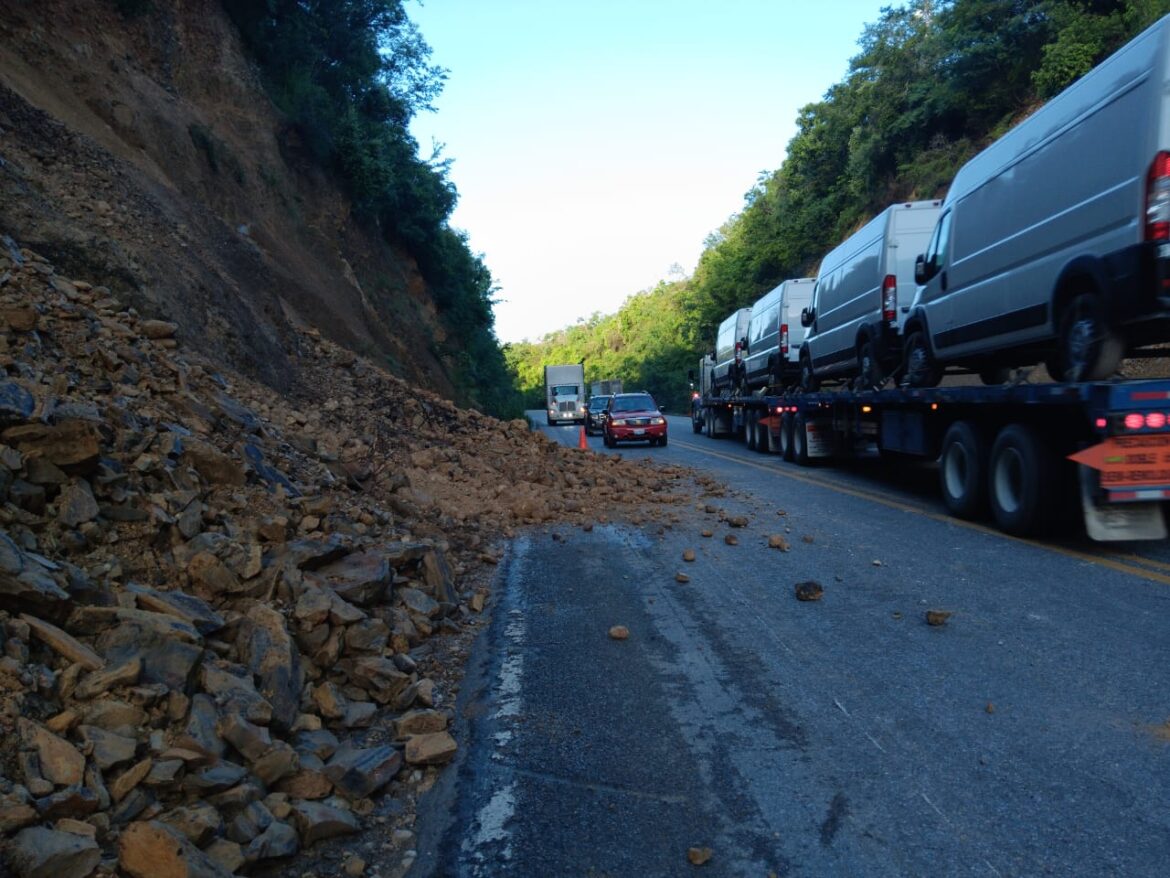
[
  {"x": 749, "y": 429},
  {"x": 786, "y": 436},
  {"x": 1089, "y": 349},
  {"x": 800, "y": 440},
  {"x": 962, "y": 470},
  {"x": 1021, "y": 474},
  {"x": 697, "y": 422},
  {"x": 764, "y": 443}
]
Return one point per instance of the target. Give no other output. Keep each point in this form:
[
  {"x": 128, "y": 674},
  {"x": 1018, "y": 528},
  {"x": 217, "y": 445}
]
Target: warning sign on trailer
[{"x": 1129, "y": 460}]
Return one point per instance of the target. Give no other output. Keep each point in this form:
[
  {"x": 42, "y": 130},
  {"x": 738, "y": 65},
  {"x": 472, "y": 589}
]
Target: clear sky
[{"x": 597, "y": 144}]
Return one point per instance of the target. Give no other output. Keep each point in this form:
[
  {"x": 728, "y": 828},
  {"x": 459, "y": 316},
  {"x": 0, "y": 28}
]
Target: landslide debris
[{"x": 231, "y": 620}]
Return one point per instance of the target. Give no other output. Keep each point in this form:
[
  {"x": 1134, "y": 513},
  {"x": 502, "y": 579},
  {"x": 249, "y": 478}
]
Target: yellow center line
[{"x": 903, "y": 506}]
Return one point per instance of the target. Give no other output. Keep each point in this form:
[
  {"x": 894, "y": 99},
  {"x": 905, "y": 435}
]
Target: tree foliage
[
  {"x": 350, "y": 75},
  {"x": 933, "y": 82}
]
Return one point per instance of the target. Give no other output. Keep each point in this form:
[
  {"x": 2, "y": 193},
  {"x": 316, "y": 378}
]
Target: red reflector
[
  {"x": 1158, "y": 231},
  {"x": 1134, "y": 421},
  {"x": 1102, "y": 423},
  {"x": 1155, "y": 420}
]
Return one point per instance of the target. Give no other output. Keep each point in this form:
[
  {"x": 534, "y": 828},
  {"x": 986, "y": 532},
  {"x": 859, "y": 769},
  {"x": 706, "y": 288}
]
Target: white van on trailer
[
  {"x": 1054, "y": 242},
  {"x": 732, "y": 332},
  {"x": 768, "y": 355},
  {"x": 863, "y": 292}
]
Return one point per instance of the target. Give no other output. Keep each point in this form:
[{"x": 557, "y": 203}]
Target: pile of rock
[{"x": 219, "y": 607}]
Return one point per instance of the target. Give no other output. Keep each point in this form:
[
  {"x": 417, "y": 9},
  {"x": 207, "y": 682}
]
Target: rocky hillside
[
  {"x": 141, "y": 152},
  {"x": 232, "y": 621}
]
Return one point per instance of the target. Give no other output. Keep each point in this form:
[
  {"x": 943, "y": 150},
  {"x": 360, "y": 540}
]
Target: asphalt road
[{"x": 1028, "y": 735}]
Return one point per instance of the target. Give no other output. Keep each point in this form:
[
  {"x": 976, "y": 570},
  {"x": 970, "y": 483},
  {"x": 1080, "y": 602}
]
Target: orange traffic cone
[{"x": 581, "y": 442}]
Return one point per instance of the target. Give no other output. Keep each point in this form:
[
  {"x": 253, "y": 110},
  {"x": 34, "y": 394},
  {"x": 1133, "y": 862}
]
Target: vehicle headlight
[
  {"x": 657, "y": 421},
  {"x": 618, "y": 422}
]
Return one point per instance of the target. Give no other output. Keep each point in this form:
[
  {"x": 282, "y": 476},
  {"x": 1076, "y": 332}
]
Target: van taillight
[
  {"x": 890, "y": 298},
  {"x": 784, "y": 338},
  {"x": 1158, "y": 199}
]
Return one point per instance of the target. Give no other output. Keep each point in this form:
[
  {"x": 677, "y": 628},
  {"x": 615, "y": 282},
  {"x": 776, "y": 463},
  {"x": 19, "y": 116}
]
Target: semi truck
[
  {"x": 1033, "y": 457},
  {"x": 564, "y": 394},
  {"x": 606, "y": 387}
]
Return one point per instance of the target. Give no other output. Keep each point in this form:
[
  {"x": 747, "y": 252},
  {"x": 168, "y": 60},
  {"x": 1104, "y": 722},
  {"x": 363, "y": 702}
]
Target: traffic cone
[{"x": 581, "y": 441}]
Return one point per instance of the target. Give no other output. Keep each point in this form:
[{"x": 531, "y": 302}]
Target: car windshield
[
  {"x": 565, "y": 390},
  {"x": 598, "y": 403},
  {"x": 632, "y": 403}
]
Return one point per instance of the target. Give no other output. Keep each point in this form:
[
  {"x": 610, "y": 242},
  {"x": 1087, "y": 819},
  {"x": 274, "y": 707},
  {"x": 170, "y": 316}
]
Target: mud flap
[
  {"x": 1119, "y": 521},
  {"x": 819, "y": 436}
]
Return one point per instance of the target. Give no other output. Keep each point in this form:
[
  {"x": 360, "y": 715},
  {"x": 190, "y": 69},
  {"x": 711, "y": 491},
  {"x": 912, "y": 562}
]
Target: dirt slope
[{"x": 143, "y": 153}]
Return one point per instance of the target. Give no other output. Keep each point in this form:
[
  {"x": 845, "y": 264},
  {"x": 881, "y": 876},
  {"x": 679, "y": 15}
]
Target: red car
[{"x": 633, "y": 417}]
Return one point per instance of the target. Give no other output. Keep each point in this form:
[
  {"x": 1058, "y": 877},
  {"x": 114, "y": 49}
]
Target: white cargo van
[
  {"x": 1054, "y": 242},
  {"x": 728, "y": 341},
  {"x": 862, "y": 296},
  {"x": 773, "y": 338}
]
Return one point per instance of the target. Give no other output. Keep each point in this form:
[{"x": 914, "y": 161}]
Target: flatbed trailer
[{"x": 1024, "y": 454}]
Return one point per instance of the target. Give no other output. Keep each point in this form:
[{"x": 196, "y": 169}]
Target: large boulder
[{"x": 39, "y": 852}]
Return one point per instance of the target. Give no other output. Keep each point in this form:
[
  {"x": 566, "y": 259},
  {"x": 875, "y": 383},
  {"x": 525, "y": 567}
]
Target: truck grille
[{"x": 566, "y": 406}]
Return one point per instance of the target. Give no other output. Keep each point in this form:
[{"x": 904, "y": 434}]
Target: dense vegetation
[
  {"x": 934, "y": 81},
  {"x": 350, "y": 75}
]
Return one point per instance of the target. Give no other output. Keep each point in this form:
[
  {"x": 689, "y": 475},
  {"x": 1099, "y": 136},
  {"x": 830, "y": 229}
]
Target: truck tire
[
  {"x": 962, "y": 470},
  {"x": 786, "y": 437},
  {"x": 751, "y": 423},
  {"x": 697, "y": 421},
  {"x": 763, "y": 437},
  {"x": 1021, "y": 474},
  {"x": 800, "y": 441}
]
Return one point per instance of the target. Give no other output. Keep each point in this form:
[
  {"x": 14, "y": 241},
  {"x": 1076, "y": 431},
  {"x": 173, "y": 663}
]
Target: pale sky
[{"x": 597, "y": 144}]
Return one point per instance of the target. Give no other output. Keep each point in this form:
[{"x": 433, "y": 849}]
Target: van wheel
[
  {"x": 1021, "y": 473},
  {"x": 1088, "y": 349},
  {"x": 869, "y": 369},
  {"x": 786, "y": 436},
  {"x": 808, "y": 380},
  {"x": 800, "y": 441},
  {"x": 774, "y": 370},
  {"x": 918, "y": 363},
  {"x": 962, "y": 468}
]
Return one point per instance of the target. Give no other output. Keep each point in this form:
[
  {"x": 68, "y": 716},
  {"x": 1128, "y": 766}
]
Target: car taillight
[
  {"x": 784, "y": 338},
  {"x": 890, "y": 298},
  {"x": 1158, "y": 199}
]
